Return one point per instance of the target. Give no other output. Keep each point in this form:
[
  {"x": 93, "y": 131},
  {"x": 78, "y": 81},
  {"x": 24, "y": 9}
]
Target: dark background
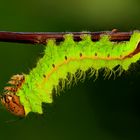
[{"x": 100, "y": 110}]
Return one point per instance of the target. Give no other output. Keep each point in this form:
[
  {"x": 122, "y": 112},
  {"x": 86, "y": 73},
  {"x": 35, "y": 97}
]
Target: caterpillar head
[
  {"x": 12, "y": 104},
  {"x": 10, "y": 100}
]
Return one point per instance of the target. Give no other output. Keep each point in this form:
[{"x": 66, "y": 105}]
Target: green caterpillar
[{"x": 64, "y": 62}]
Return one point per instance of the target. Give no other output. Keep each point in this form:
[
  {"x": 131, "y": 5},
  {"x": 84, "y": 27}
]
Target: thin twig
[{"x": 42, "y": 37}]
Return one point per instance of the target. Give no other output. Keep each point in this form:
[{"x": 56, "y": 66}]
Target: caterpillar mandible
[{"x": 60, "y": 62}]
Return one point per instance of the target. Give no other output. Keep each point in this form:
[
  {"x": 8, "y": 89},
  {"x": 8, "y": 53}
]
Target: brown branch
[{"x": 42, "y": 37}]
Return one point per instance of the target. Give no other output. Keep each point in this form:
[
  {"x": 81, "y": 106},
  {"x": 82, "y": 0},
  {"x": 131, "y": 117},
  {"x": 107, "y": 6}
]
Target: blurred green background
[{"x": 100, "y": 110}]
